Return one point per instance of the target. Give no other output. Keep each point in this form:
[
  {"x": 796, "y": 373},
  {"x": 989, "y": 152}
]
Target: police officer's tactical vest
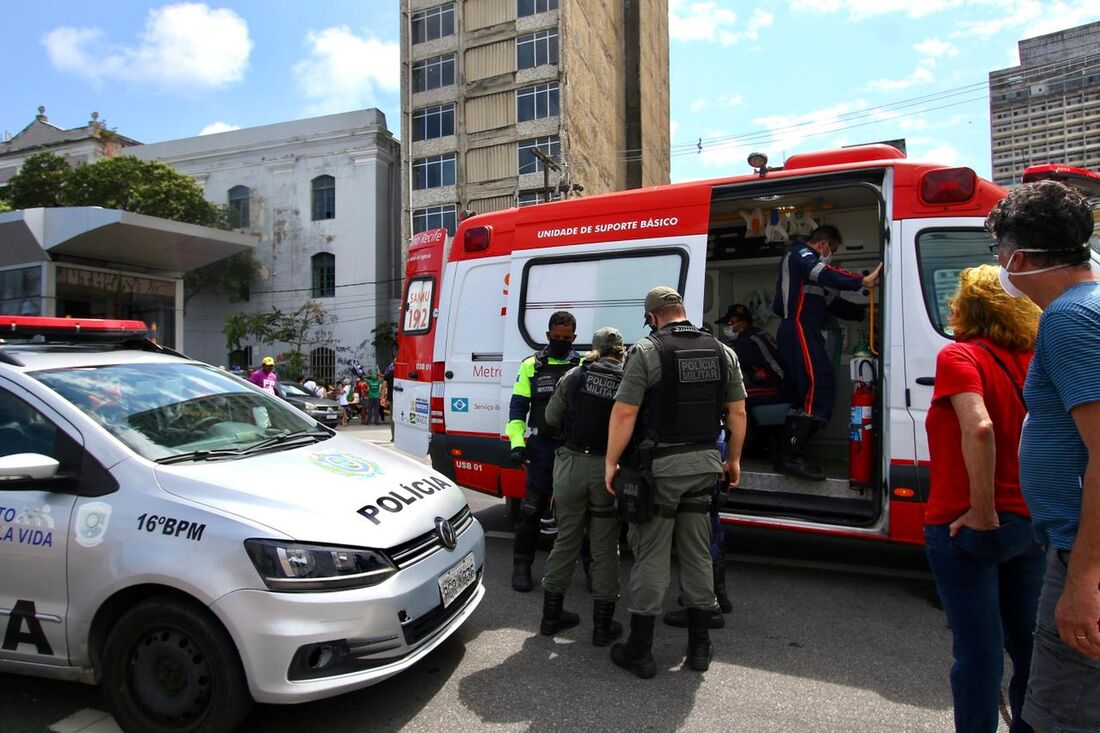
[
  {"x": 543, "y": 383},
  {"x": 686, "y": 406},
  {"x": 589, "y": 401}
]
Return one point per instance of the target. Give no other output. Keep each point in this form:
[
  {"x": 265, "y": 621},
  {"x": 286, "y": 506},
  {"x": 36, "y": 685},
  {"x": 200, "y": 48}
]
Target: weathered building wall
[{"x": 654, "y": 87}]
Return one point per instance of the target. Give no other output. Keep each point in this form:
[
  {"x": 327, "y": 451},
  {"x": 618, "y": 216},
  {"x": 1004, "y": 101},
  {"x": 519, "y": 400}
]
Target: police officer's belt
[{"x": 584, "y": 449}]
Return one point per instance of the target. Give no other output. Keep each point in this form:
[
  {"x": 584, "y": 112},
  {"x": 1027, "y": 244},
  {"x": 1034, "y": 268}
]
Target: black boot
[
  {"x": 605, "y": 629},
  {"x": 679, "y": 619},
  {"x": 698, "y": 648},
  {"x": 797, "y": 433},
  {"x": 720, "y": 582},
  {"x": 636, "y": 655},
  {"x": 554, "y": 617}
]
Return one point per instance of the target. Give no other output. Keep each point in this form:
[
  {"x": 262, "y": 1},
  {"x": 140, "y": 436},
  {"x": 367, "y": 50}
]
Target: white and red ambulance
[{"x": 490, "y": 290}]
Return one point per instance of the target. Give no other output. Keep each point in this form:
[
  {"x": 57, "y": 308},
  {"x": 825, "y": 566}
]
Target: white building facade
[{"x": 323, "y": 194}]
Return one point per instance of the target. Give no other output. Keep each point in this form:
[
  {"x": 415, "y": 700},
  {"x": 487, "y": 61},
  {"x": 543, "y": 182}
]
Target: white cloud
[
  {"x": 1029, "y": 18},
  {"x": 345, "y": 71},
  {"x": 709, "y": 21},
  {"x": 919, "y": 75},
  {"x": 215, "y": 127},
  {"x": 699, "y": 104},
  {"x": 933, "y": 150},
  {"x": 185, "y": 47},
  {"x": 935, "y": 49},
  {"x": 862, "y": 9}
]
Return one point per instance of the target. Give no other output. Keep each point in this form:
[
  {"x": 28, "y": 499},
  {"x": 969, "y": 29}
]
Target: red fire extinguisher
[{"x": 860, "y": 443}]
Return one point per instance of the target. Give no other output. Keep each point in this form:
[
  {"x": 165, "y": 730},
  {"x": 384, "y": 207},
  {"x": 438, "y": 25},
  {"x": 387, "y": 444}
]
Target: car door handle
[
  {"x": 926, "y": 381},
  {"x": 398, "y": 388}
]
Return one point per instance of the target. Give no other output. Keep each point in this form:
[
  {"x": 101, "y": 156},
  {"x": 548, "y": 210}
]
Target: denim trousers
[{"x": 989, "y": 585}]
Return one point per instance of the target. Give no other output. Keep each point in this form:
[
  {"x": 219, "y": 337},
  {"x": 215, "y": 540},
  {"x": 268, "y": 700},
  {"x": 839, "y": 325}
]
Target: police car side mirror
[{"x": 27, "y": 466}]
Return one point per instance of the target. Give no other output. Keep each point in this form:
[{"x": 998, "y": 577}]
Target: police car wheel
[{"x": 169, "y": 666}]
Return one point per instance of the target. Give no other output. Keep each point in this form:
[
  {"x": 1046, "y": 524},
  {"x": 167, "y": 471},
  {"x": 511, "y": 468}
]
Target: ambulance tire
[{"x": 194, "y": 682}]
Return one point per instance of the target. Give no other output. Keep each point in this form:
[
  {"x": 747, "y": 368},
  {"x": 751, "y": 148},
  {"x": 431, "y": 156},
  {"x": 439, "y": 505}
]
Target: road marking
[
  {"x": 87, "y": 721},
  {"x": 838, "y": 567}
]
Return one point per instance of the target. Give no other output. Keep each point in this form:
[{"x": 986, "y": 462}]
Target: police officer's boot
[
  {"x": 605, "y": 629},
  {"x": 554, "y": 617},
  {"x": 636, "y": 655},
  {"x": 720, "y": 581},
  {"x": 797, "y": 432},
  {"x": 698, "y": 648},
  {"x": 679, "y": 619}
]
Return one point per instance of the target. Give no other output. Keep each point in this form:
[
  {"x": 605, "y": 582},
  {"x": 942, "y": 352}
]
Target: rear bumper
[{"x": 477, "y": 462}]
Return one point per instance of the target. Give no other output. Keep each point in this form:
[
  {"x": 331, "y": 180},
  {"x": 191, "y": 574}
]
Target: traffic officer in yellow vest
[
  {"x": 535, "y": 383},
  {"x": 677, "y": 385},
  {"x": 582, "y": 406}
]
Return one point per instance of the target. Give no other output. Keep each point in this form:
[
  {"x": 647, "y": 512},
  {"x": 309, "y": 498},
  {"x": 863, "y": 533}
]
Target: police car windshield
[{"x": 161, "y": 410}]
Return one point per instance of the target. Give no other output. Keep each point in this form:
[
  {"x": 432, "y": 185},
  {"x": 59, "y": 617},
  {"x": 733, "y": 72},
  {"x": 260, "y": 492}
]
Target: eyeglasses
[{"x": 994, "y": 248}]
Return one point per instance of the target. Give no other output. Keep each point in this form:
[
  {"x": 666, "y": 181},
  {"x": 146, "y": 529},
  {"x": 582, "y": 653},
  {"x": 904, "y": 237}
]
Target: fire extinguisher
[{"x": 860, "y": 442}]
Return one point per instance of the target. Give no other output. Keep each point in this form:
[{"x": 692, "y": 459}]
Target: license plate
[
  {"x": 330, "y": 416},
  {"x": 457, "y": 579}
]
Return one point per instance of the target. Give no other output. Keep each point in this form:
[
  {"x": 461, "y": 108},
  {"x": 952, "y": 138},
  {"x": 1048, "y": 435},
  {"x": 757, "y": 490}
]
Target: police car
[{"x": 193, "y": 544}]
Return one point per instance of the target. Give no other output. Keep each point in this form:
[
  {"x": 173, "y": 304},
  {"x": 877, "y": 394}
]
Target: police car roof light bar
[{"x": 83, "y": 328}]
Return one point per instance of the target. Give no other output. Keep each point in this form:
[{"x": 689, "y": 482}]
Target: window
[
  {"x": 530, "y": 198},
  {"x": 530, "y": 7},
  {"x": 324, "y": 198},
  {"x": 429, "y": 25},
  {"x": 323, "y": 265},
  {"x": 537, "y": 49},
  {"x": 599, "y": 290},
  {"x": 528, "y": 163},
  {"x": 432, "y": 122},
  {"x": 322, "y": 364},
  {"x": 418, "y": 306},
  {"x": 433, "y": 73},
  {"x": 435, "y": 217},
  {"x": 238, "y": 207},
  {"x": 943, "y": 254},
  {"x": 533, "y": 103},
  {"x": 434, "y": 171}
]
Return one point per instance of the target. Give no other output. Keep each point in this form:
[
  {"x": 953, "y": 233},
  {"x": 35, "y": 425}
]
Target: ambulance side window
[
  {"x": 942, "y": 255},
  {"x": 606, "y": 289}
]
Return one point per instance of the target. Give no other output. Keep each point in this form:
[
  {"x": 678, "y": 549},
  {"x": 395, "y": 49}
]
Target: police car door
[{"x": 34, "y": 528}]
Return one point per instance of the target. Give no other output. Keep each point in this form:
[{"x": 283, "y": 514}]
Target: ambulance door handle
[
  {"x": 926, "y": 381},
  {"x": 449, "y": 374},
  {"x": 398, "y": 388}
]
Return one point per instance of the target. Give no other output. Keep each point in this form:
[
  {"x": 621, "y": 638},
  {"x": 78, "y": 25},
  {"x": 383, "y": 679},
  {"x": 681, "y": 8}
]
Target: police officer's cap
[
  {"x": 661, "y": 296},
  {"x": 738, "y": 311},
  {"x": 606, "y": 338}
]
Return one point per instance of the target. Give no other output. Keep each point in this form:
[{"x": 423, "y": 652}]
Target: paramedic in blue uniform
[
  {"x": 805, "y": 294},
  {"x": 759, "y": 357},
  {"x": 538, "y": 377}
]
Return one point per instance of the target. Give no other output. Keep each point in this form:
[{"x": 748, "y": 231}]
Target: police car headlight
[{"x": 295, "y": 567}]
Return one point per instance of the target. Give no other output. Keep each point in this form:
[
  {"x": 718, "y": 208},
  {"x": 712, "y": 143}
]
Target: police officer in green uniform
[
  {"x": 582, "y": 404},
  {"x": 677, "y": 384},
  {"x": 535, "y": 383}
]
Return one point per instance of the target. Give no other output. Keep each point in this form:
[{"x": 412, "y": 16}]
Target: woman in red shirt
[{"x": 987, "y": 566}]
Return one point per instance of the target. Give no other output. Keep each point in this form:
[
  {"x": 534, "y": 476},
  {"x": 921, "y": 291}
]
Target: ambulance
[
  {"x": 484, "y": 298},
  {"x": 193, "y": 544}
]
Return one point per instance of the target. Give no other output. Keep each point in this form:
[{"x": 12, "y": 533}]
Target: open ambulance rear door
[{"x": 412, "y": 384}]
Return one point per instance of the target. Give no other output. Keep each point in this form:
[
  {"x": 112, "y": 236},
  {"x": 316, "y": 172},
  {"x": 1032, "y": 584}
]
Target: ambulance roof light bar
[{"x": 1084, "y": 180}]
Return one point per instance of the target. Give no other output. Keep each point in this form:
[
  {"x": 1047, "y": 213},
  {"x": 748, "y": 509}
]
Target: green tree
[
  {"x": 384, "y": 340},
  {"x": 142, "y": 187},
  {"x": 299, "y": 329}
]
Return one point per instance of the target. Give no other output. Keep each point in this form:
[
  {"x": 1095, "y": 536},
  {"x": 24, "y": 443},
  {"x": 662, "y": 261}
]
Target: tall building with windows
[
  {"x": 323, "y": 196},
  {"x": 1047, "y": 109},
  {"x": 495, "y": 88}
]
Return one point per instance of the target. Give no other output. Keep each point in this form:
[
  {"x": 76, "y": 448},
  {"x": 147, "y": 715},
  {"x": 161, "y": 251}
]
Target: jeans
[{"x": 989, "y": 584}]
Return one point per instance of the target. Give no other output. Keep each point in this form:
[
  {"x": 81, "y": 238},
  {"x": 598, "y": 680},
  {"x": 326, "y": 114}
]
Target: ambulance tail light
[
  {"x": 948, "y": 185},
  {"x": 476, "y": 239},
  {"x": 437, "y": 421}
]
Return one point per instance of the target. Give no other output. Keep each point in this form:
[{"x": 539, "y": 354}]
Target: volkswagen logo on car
[{"x": 446, "y": 533}]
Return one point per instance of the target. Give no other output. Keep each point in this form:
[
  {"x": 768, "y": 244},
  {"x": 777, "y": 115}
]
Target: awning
[{"x": 114, "y": 238}]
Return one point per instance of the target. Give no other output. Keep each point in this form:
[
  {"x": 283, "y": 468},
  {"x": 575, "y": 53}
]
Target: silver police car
[{"x": 194, "y": 544}]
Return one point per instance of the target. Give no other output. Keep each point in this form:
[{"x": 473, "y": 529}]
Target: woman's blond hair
[{"x": 982, "y": 309}]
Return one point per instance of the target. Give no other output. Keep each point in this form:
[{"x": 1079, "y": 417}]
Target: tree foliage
[
  {"x": 139, "y": 186},
  {"x": 384, "y": 341},
  {"x": 299, "y": 329}
]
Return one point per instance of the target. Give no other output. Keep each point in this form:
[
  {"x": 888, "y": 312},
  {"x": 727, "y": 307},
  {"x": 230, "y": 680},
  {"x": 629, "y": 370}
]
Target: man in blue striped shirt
[{"x": 1042, "y": 231}]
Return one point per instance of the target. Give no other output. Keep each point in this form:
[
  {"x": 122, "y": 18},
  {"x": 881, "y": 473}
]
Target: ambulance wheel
[
  {"x": 169, "y": 666},
  {"x": 513, "y": 509}
]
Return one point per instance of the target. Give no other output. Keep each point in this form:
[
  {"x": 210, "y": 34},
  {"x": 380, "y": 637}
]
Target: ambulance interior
[{"x": 751, "y": 228}]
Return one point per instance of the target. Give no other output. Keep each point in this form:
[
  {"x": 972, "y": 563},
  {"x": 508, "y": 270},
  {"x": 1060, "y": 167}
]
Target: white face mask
[
  {"x": 1006, "y": 281},
  {"x": 729, "y": 333}
]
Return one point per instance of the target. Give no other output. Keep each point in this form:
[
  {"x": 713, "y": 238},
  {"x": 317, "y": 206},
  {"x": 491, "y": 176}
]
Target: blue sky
[{"x": 781, "y": 76}]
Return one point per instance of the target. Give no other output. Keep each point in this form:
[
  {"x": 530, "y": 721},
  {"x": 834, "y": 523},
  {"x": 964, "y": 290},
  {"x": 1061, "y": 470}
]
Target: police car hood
[{"x": 339, "y": 491}]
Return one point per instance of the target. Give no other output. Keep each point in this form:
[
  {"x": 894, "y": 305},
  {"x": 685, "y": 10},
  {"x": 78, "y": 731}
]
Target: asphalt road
[{"x": 825, "y": 635}]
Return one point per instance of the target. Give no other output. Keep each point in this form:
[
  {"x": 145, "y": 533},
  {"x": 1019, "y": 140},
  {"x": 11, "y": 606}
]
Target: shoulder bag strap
[{"x": 1004, "y": 367}]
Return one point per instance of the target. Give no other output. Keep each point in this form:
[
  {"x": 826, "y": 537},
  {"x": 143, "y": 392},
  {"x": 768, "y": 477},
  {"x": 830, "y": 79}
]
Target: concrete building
[
  {"x": 85, "y": 144},
  {"x": 490, "y": 84},
  {"x": 322, "y": 194},
  {"x": 1047, "y": 109}
]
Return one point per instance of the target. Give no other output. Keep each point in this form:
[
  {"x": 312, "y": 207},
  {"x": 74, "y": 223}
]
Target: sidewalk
[{"x": 377, "y": 434}]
